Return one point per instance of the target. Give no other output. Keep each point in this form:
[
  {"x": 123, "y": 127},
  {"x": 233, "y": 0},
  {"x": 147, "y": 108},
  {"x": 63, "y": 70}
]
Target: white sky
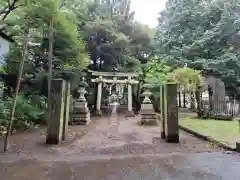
[{"x": 147, "y": 11}]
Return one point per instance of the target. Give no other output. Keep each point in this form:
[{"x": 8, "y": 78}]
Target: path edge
[{"x": 206, "y": 138}]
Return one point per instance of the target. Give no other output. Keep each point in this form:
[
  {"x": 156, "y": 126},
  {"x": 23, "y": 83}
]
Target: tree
[
  {"x": 113, "y": 39},
  {"x": 188, "y": 80},
  {"x": 68, "y": 51},
  {"x": 201, "y": 33}
]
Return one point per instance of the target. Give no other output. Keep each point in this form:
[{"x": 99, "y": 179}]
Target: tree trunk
[
  {"x": 179, "y": 99},
  {"x": 192, "y": 99},
  {"x": 199, "y": 102},
  {"x": 9, "y": 129},
  {"x": 184, "y": 99}
]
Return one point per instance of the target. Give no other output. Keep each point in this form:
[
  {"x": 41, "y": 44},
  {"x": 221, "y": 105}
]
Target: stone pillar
[
  {"x": 162, "y": 113},
  {"x": 130, "y": 111},
  {"x": 66, "y": 111},
  {"x": 99, "y": 96},
  {"x": 171, "y": 113},
  {"x": 55, "y": 126}
]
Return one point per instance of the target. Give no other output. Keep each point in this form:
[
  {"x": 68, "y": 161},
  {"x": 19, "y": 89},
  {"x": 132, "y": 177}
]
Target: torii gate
[{"x": 100, "y": 80}]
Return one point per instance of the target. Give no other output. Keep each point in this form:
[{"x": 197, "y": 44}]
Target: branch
[{"x": 8, "y": 9}]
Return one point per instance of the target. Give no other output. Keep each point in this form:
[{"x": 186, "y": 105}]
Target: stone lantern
[
  {"x": 81, "y": 113},
  {"x": 148, "y": 115}
]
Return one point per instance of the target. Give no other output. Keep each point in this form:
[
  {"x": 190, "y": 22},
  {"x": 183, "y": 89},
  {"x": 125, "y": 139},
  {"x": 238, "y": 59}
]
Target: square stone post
[
  {"x": 99, "y": 96},
  {"x": 171, "y": 113},
  {"x": 55, "y": 126},
  {"x": 66, "y": 110},
  {"x": 162, "y": 111}
]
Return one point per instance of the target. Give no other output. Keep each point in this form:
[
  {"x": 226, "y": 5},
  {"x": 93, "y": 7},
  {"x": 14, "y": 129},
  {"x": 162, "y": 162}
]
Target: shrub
[{"x": 29, "y": 111}]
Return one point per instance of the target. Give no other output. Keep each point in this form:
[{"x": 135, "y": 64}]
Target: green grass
[{"x": 224, "y": 131}]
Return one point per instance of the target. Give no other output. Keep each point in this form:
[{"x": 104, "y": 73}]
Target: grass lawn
[{"x": 224, "y": 131}]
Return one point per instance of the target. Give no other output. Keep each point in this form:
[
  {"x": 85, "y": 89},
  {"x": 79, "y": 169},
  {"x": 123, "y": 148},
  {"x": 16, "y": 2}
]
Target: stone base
[
  {"x": 172, "y": 138},
  {"x": 151, "y": 122},
  {"x": 98, "y": 113},
  {"x": 238, "y": 147},
  {"x": 130, "y": 114},
  {"x": 80, "y": 119},
  {"x": 149, "y": 119}
]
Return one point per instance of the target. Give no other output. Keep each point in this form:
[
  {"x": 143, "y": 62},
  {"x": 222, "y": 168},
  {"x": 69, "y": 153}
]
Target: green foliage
[
  {"x": 29, "y": 111},
  {"x": 188, "y": 79},
  {"x": 69, "y": 54},
  {"x": 104, "y": 32},
  {"x": 156, "y": 72},
  {"x": 114, "y": 39},
  {"x": 204, "y": 35}
]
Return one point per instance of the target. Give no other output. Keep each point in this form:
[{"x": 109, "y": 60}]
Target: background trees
[
  {"x": 202, "y": 34},
  {"x": 103, "y": 35},
  {"x": 98, "y": 35}
]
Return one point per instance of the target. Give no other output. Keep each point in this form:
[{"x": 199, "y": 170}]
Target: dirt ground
[{"x": 100, "y": 150}]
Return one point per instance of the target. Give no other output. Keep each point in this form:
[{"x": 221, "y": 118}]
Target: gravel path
[{"x": 114, "y": 148}]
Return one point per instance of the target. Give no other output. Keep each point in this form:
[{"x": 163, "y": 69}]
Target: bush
[
  {"x": 29, "y": 111},
  {"x": 217, "y": 116}
]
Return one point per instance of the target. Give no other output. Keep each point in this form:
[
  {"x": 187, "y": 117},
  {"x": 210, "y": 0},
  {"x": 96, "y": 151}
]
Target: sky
[{"x": 147, "y": 11}]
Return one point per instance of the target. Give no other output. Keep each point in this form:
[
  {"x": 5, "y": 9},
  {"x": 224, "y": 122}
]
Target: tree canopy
[{"x": 202, "y": 34}]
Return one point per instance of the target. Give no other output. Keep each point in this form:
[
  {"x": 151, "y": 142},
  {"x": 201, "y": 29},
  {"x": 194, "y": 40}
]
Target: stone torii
[{"x": 100, "y": 80}]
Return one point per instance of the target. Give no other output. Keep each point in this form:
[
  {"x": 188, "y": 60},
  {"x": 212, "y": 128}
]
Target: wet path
[{"x": 116, "y": 148}]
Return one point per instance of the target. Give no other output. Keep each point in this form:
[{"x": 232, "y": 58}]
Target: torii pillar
[{"x": 130, "y": 110}]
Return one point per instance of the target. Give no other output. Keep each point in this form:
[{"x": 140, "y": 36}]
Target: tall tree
[{"x": 200, "y": 33}]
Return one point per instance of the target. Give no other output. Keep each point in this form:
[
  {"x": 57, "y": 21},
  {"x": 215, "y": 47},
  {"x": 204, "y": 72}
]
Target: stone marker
[
  {"x": 81, "y": 113},
  {"x": 162, "y": 109},
  {"x": 171, "y": 113},
  {"x": 66, "y": 110},
  {"x": 148, "y": 115},
  {"x": 55, "y": 126},
  {"x": 218, "y": 93}
]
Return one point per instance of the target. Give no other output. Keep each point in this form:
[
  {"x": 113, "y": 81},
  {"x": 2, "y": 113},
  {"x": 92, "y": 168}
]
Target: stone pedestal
[
  {"x": 148, "y": 115},
  {"x": 171, "y": 113},
  {"x": 98, "y": 112},
  {"x": 130, "y": 114},
  {"x": 56, "y": 121},
  {"x": 81, "y": 114}
]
